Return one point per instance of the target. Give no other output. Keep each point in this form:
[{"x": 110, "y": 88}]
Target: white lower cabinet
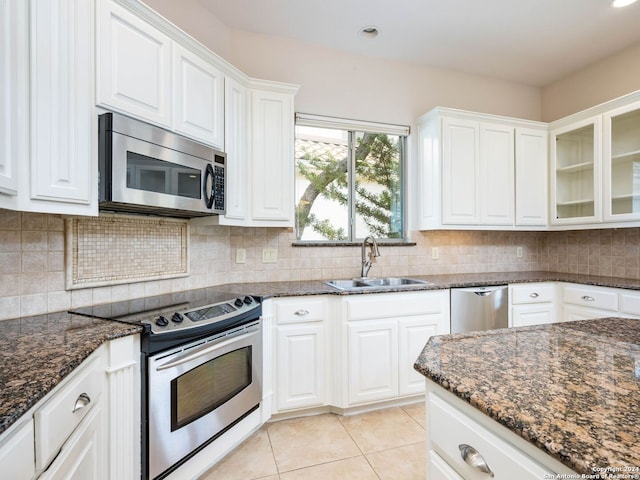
[
  {"x": 301, "y": 369},
  {"x": 82, "y": 457},
  {"x": 456, "y": 431},
  {"x": 66, "y": 409},
  {"x": 16, "y": 452},
  {"x": 300, "y": 361},
  {"x": 580, "y": 302},
  {"x": 349, "y": 351},
  {"x": 629, "y": 304},
  {"x": 373, "y": 360},
  {"x": 384, "y": 335},
  {"x": 532, "y": 304},
  {"x": 413, "y": 334}
]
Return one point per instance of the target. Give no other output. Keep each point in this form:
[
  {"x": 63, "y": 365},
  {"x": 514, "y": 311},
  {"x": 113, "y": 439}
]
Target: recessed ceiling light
[
  {"x": 622, "y": 3},
  {"x": 369, "y": 32}
]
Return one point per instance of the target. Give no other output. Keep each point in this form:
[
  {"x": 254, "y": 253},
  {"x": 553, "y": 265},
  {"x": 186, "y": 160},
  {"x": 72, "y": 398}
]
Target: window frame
[{"x": 353, "y": 127}]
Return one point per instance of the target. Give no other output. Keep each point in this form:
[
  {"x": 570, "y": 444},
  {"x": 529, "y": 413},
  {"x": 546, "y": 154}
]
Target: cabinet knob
[
  {"x": 472, "y": 458},
  {"x": 587, "y": 298},
  {"x": 82, "y": 401},
  {"x": 534, "y": 295},
  {"x": 301, "y": 313}
]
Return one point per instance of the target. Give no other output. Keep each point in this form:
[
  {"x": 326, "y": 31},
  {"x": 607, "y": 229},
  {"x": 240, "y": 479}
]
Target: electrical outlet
[
  {"x": 269, "y": 255},
  {"x": 241, "y": 255},
  {"x": 519, "y": 252},
  {"x": 435, "y": 254}
]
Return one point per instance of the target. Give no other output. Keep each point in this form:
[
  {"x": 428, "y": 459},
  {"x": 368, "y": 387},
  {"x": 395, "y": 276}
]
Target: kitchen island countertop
[
  {"x": 37, "y": 353},
  {"x": 571, "y": 389}
]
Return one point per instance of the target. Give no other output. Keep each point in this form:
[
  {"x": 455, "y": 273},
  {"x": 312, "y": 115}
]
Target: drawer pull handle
[
  {"x": 301, "y": 313},
  {"x": 534, "y": 295},
  {"x": 472, "y": 458},
  {"x": 587, "y": 298},
  {"x": 82, "y": 401}
]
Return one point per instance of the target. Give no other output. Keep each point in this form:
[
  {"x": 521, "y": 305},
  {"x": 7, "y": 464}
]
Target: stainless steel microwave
[{"x": 145, "y": 169}]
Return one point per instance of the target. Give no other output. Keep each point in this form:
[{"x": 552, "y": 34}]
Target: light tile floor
[{"x": 385, "y": 444}]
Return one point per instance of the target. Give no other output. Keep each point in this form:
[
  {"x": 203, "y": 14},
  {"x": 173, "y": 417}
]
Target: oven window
[
  {"x": 153, "y": 175},
  {"x": 206, "y": 387}
]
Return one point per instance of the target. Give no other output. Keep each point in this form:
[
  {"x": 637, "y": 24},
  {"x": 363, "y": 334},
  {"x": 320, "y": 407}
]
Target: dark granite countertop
[
  {"x": 437, "y": 282},
  {"x": 571, "y": 389},
  {"x": 36, "y": 353}
]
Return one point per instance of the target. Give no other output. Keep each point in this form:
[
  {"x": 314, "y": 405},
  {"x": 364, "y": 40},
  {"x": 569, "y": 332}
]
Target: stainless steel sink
[
  {"x": 375, "y": 283},
  {"x": 346, "y": 284},
  {"x": 393, "y": 282}
]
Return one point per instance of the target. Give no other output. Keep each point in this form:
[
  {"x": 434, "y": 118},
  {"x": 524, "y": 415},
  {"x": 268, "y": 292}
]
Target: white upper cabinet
[
  {"x": 198, "y": 89},
  {"x": 460, "y": 171},
  {"x": 272, "y": 146},
  {"x": 143, "y": 72},
  {"x": 496, "y": 180},
  {"x": 478, "y": 170},
  {"x": 14, "y": 91},
  {"x": 62, "y": 118},
  {"x": 48, "y": 123},
  {"x": 531, "y": 189},
  {"x": 134, "y": 67},
  {"x": 236, "y": 115},
  {"x": 576, "y": 172},
  {"x": 621, "y": 163},
  {"x": 149, "y": 69}
]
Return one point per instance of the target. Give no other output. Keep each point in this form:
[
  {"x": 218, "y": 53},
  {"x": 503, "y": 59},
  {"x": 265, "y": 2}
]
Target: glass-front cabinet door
[
  {"x": 621, "y": 163},
  {"x": 576, "y": 172}
]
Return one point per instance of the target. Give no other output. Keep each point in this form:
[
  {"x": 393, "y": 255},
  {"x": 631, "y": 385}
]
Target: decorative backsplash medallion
[{"x": 115, "y": 249}]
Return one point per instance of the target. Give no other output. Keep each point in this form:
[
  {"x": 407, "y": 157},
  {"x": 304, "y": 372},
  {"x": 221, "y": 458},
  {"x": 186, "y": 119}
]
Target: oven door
[
  {"x": 146, "y": 174},
  {"x": 199, "y": 390}
]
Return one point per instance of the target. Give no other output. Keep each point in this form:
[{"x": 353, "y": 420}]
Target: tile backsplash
[{"x": 32, "y": 259}]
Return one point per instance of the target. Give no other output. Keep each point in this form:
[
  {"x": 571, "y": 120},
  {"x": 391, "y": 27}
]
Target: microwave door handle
[
  {"x": 201, "y": 353},
  {"x": 208, "y": 192}
]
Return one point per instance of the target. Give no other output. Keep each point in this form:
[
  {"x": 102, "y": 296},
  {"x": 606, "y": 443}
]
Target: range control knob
[
  {"x": 162, "y": 321},
  {"x": 248, "y": 300},
  {"x": 177, "y": 318},
  {"x": 238, "y": 302}
]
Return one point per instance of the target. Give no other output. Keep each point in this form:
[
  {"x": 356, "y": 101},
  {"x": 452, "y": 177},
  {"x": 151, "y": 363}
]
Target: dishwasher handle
[{"x": 484, "y": 293}]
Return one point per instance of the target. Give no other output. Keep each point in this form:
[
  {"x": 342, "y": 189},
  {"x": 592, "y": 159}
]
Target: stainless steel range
[{"x": 201, "y": 369}]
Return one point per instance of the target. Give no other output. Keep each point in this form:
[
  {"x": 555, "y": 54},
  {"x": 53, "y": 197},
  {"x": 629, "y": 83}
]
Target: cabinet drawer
[
  {"x": 299, "y": 310},
  {"x": 62, "y": 413},
  {"x": 534, "y": 293},
  {"x": 449, "y": 429},
  {"x": 591, "y": 297},
  {"x": 438, "y": 469},
  {"x": 630, "y": 304},
  {"x": 386, "y": 305}
]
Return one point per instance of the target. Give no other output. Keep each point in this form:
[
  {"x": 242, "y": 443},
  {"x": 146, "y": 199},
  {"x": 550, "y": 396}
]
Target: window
[{"x": 349, "y": 180}]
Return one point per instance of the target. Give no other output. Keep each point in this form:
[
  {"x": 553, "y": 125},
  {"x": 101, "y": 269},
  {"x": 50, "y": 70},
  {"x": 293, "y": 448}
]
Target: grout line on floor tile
[{"x": 275, "y": 461}]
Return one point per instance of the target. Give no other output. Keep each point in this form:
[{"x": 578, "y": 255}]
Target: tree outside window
[{"x": 349, "y": 184}]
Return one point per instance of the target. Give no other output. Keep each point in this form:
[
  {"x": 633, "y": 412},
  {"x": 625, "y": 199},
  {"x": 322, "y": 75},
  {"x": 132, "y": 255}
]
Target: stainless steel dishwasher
[{"x": 479, "y": 308}]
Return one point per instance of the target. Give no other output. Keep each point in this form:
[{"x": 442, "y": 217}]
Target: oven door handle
[{"x": 201, "y": 353}]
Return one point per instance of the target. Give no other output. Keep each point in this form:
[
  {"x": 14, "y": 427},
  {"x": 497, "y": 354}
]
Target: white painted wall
[
  {"x": 605, "y": 80},
  {"x": 348, "y": 85},
  {"x": 197, "y": 21},
  {"x": 355, "y": 86}
]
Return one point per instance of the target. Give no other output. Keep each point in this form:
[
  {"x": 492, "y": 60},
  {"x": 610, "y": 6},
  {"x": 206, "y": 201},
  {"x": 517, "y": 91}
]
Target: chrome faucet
[{"x": 368, "y": 258}]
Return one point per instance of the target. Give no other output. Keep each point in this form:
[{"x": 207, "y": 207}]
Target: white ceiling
[{"x": 529, "y": 41}]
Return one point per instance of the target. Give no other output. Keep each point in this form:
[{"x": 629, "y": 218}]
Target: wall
[
  {"x": 197, "y": 21},
  {"x": 348, "y": 85},
  {"x": 355, "y": 86},
  {"x": 32, "y": 276},
  {"x": 605, "y": 80}
]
